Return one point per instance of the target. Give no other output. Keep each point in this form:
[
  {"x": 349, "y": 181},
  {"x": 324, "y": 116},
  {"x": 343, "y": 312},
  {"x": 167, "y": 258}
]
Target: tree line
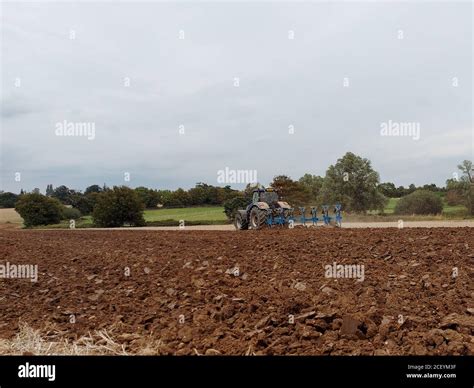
[{"x": 351, "y": 181}]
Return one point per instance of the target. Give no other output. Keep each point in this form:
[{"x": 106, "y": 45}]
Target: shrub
[
  {"x": 419, "y": 202},
  {"x": 84, "y": 202},
  {"x": 454, "y": 197},
  {"x": 232, "y": 205},
  {"x": 117, "y": 207},
  {"x": 8, "y": 200},
  {"x": 70, "y": 213},
  {"x": 37, "y": 209}
]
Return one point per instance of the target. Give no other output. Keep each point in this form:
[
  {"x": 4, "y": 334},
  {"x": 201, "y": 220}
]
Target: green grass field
[
  {"x": 204, "y": 215},
  {"x": 192, "y": 214},
  {"x": 390, "y": 207}
]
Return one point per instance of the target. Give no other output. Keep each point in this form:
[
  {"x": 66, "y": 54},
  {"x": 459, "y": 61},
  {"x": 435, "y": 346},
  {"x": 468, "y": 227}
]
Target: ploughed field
[{"x": 408, "y": 291}]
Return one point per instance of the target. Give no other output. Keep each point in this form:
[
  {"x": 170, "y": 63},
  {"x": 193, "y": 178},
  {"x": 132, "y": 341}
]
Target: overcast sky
[{"x": 349, "y": 68}]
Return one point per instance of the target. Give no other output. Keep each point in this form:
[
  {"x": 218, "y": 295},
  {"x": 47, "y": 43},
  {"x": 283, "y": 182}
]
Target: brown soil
[{"x": 185, "y": 295}]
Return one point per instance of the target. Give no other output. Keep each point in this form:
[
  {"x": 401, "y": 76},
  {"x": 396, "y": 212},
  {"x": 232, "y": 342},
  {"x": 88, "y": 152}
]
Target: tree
[
  {"x": 165, "y": 196},
  {"x": 93, "y": 189},
  {"x": 401, "y": 191},
  {"x": 177, "y": 198},
  {"x": 149, "y": 197},
  {"x": 118, "y": 206},
  {"x": 432, "y": 187},
  {"x": 291, "y": 191},
  {"x": 49, "y": 190},
  {"x": 8, "y": 200},
  {"x": 84, "y": 202},
  {"x": 467, "y": 170},
  {"x": 388, "y": 189},
  {"x": 452, "y": 184},
  {"x": 63, "y": 194},
  {"x": 465, "y": 185},
  {"x": 232, "y": 205},
  {"x": 249, "y": 188},
  {"x": 313, "y": 184},
  {"x": 204, "y": 194},
  {"x": 352, "y": 182},
  {"x": 419, "y": 202},
  {"x": 37, "y": 209},
  {"x": 226, "y": 193}
]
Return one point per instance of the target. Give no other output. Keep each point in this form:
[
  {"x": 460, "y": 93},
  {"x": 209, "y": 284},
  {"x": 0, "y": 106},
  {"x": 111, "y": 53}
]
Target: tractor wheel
[
  {"x": 240, "y": 222},
  {"x": 258, "y": 218}
]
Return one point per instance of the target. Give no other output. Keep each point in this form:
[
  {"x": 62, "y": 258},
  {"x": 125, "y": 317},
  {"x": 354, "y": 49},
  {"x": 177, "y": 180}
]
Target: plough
[
  {"x": 326, "y": 218},
  {"x": 281, "y": 218}
]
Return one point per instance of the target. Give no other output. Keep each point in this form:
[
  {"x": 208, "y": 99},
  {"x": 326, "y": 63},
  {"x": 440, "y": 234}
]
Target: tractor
[{"x": 266, "y": 209}]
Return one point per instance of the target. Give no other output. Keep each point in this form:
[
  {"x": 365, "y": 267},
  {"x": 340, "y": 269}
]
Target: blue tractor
[{"x": 266, "y": 209}]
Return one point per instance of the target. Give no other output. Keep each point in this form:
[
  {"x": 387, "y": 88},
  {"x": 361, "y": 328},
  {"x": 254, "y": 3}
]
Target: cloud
[
  {"x": 127, "y": 71},
  {"x": 14, "y": 106}
]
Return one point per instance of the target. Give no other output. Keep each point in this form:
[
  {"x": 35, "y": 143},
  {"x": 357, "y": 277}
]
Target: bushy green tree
[
  {"x": 8, "y": 200},
  {"x": 70, "y": 213},
  {"x": 63, "y": 194},
  {"x": 177, "y": 198},
  {"x": 165, "y": 196},
  {"x": 84, "y": 202},
  {"x": 204, "y": 194},
  {"x": 313, "y": 184},
  {"x": 432, "y": 187},
  {"x": 93, "y": 189},
  {"x": 226, "y": 193},
  {"x": 150, "y": 198},
  {"x": 38, "y": 209},
  {"x": 291, "y": 191},
  {"x": 388, "y": 189},
  {"x": 232, "y": 205},
  {"x": 118, "y": 206},
  {"x": 353, "y": 183}
]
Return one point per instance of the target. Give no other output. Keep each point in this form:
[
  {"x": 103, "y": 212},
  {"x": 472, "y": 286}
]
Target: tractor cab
[{"x": 267, "y": 195}]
